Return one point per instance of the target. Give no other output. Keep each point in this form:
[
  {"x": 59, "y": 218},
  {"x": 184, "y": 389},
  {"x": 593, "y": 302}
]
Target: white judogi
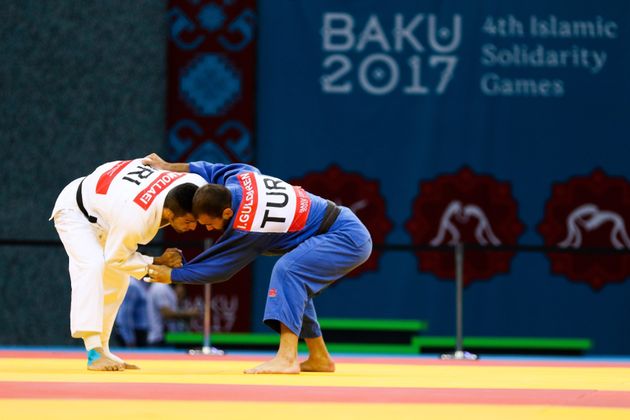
[{"x": 127, "y": 200}]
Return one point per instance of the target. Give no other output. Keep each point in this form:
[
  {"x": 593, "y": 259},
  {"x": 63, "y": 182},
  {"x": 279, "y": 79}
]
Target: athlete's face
[
  {"x": 216, "y": 223},
  {"x": 184, "y": 223},
  {"x": 212, "y": 223}
]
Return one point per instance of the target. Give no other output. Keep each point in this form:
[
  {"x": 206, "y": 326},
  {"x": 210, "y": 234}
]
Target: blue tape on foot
[{"x": 93, "y": 356}]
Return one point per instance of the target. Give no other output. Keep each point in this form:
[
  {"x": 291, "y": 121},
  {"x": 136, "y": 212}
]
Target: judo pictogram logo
[
  {"x": 468, "y": 208},
  {"x": 456, "y": 212},
  {"x": 362, "y": 195},
  {"x": 589, "y": 211}
]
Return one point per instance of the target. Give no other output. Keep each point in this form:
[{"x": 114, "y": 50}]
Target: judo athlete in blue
[{"x": 319, "y": 242}]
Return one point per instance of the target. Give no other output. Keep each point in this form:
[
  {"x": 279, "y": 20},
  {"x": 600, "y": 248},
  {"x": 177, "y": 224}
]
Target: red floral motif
[
  {"x": 589, "y": 211},
  {"x": 361, "y": 195},
  {"x": 469, "y": 208}
]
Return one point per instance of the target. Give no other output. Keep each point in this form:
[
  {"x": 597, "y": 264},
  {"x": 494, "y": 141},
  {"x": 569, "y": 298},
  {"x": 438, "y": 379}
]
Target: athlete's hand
[
  {"x": 155, "y": 161},
  {"x": 160, "y": 274},
  {"x": 172, "y": 257}
]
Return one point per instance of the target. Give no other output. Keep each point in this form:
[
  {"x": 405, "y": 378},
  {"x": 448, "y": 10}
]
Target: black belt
[
  {"x": 330, "y": 215},
  {"x": 91, "y": 219}
]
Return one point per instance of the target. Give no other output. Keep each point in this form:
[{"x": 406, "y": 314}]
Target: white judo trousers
[
  {"x": 97, "y": 290},
  {"x": 125, "y": 200}
]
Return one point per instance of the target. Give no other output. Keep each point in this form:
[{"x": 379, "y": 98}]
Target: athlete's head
[
  {"x": 212, "y": 206},
  {"x": 178, "y": 208}
]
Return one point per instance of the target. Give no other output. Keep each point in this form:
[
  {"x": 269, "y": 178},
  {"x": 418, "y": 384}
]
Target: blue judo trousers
[
  {"x": 274, "y": 218},
  {"x": 307, "y": 270}
]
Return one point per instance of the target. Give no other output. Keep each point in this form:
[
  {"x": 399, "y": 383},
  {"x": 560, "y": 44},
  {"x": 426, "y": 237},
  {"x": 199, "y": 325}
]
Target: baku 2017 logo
[
  {"x": 589, "y": 212},
  {"x": 361, "y": 195},
  {"x": 467, "y": 208}
]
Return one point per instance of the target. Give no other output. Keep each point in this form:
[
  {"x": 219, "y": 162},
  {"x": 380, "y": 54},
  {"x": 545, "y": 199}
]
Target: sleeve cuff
[
  {"x": 174, "y": 277},
  {"x": 148, "y": 260},
  {"x": 195, "y": 168}
]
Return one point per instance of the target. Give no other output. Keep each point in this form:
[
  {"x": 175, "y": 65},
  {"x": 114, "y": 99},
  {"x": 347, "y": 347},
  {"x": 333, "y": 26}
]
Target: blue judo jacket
[{"x": 270, "y": 217}]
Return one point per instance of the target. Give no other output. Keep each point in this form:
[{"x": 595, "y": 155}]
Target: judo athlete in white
[{"x": 101, "y": 219}]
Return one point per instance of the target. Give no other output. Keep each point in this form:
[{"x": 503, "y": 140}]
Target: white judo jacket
[{"x": 127, "y": 200}]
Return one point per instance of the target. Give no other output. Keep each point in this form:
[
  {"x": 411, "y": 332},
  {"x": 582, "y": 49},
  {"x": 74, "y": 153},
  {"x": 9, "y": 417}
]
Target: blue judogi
[{"x": 275, "y": 218}]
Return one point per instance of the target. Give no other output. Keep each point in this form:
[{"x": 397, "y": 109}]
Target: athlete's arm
[
  {"x": 121, "y": 248},
  {"x": 214, "y": 173},
  {"x": 219, "y": 173},
  {"x": 121, "y": 251},
  {"x": 219, "y": 262}
]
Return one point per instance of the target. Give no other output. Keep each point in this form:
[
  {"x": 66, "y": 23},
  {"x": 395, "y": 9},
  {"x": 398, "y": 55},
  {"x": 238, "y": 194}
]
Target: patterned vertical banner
[
  {"x": 211, "y": 64},
  {"x": 210, "y": 113}
]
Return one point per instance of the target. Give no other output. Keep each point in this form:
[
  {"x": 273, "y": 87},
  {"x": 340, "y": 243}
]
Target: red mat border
[{"x": 269, "y": 393}]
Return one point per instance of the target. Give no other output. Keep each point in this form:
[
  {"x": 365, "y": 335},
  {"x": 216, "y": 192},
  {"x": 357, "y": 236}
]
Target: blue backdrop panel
[{"x": 531, "y": 94}]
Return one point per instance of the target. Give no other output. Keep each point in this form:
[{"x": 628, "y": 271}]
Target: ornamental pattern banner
[
  {"x": 210, "y": 114},
  {"x": 211, "y": 73}
]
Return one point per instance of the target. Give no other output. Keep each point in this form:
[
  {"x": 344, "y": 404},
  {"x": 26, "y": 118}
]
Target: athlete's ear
[
  {"x": 227, "y": 213},
  {"x": 167, "y": 213}
]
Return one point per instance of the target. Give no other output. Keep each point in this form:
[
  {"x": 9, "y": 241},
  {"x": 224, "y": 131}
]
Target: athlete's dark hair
[
  {"x": 179, "y": 200},
  {"x": 211, "y": 200}
]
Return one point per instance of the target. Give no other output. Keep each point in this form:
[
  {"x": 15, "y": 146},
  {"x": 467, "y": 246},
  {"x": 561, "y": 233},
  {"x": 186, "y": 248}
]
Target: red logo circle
[
  {"x": 468, "y": 208},
  {"x": 589, "y": 211}
]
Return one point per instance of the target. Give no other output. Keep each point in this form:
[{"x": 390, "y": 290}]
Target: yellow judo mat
[{"x": 56, "y": 384}]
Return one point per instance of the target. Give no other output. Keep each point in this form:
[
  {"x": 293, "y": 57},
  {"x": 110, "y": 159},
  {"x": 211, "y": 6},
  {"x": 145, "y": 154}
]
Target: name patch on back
[
  {"x": 146, "y": 196},
  {"x": 271, "y": 205}
]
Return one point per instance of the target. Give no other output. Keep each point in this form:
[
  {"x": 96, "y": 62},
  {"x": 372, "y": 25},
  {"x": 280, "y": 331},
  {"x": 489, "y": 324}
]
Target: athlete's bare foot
[
  {"x": 115, "y": 358},
  {"x": 131, "y": 367},
  {"x": 313, "y": 364},
  {"x": 276, "y": 365},
  {"x": 98, "y": 361},
  {"x": 285, "y": 360},
  {"x": 319, "y": 359}
]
